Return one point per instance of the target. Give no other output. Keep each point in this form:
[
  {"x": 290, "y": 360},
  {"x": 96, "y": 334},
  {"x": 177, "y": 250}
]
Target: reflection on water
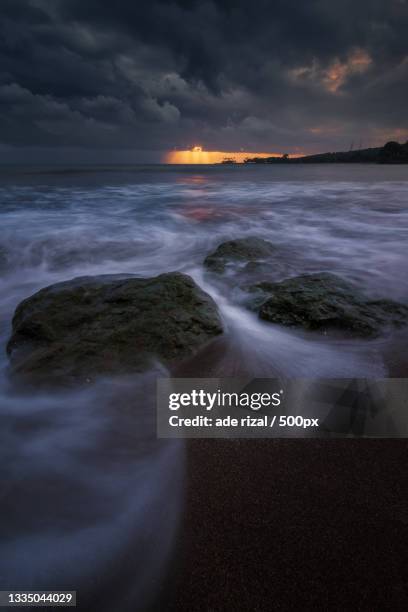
[{"x": 86, "y": 488}]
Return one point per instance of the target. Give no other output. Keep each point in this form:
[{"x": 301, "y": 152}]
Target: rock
[
  {"x": 238, "y": 251},
  {"x": 4, "y": 259},
  {"x": 323, "y": 302},
  {"x": 73, "y": 331}
]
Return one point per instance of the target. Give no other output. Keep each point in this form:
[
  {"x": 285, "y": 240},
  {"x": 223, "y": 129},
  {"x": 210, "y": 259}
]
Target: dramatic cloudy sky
[{"x": 131, "y": 79}]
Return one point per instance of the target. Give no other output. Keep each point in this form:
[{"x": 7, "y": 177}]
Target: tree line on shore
[{"x": 391, "y": 153}]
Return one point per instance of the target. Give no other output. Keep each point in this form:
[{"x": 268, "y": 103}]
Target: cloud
[
  {"x": 333, "y": 77},
  {"x": 275, "y": 76}
]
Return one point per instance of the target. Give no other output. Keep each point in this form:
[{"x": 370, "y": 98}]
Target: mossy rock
[
  {"x": 74, "y": 331},
  {"x": 324, "y": 302},
  {"x": 240, "y": 251}
]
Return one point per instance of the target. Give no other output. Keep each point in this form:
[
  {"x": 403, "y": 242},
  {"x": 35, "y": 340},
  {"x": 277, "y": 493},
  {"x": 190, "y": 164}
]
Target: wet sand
[{"x": 294, "y": 524}]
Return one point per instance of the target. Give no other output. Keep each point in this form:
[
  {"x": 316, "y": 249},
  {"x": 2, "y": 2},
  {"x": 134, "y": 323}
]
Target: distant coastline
[{"x": 391, "y": 153}]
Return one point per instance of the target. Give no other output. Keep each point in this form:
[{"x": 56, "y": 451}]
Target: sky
[{"x": 131, "y": 80}]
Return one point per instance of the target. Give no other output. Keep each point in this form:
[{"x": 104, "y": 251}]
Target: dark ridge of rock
[
  {"x": 324, "y": 302},
  {"x": 74, "y": 331},
  {"x": 242, "y": 250}
]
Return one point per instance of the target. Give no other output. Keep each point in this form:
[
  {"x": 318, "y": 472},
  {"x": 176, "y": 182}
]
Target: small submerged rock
[
  {"x": 58, "y": 255},
  {"x": 241, "y": 251},
  {"x": 4, "y": 259},
  {"x": 73, "y": 331},
  {"x": 324, "y": 302}
]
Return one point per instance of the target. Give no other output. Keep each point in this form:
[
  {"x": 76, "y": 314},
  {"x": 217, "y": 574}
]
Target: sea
[{"x": 90, "y": 499}]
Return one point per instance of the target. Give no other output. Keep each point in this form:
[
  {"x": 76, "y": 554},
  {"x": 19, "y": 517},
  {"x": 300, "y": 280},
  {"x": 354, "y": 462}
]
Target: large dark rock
[
  {"x": 324, "y": 302},
  {"x": 242, "y": 250},
  {"x": 73, "y": 331}
]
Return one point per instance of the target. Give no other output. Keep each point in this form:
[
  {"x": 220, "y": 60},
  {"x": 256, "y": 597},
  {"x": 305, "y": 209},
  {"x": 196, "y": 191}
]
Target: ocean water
[{"x": 86, "y": 487}]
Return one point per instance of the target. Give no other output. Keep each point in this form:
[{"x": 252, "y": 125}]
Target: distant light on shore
[{"x": 197, "y": 156}]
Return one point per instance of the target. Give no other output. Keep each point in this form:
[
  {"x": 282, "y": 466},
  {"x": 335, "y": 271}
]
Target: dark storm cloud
[{"x": 230, "y": 74}]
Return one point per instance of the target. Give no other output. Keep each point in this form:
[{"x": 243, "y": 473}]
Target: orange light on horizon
[{"x": 197, "y": 156}]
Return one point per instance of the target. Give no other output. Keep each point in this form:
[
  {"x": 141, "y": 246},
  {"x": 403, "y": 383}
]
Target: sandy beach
[{"x": 294, "y": 524}]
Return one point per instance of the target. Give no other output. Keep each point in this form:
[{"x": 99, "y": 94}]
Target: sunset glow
[{"x": 197, "y": 156}]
